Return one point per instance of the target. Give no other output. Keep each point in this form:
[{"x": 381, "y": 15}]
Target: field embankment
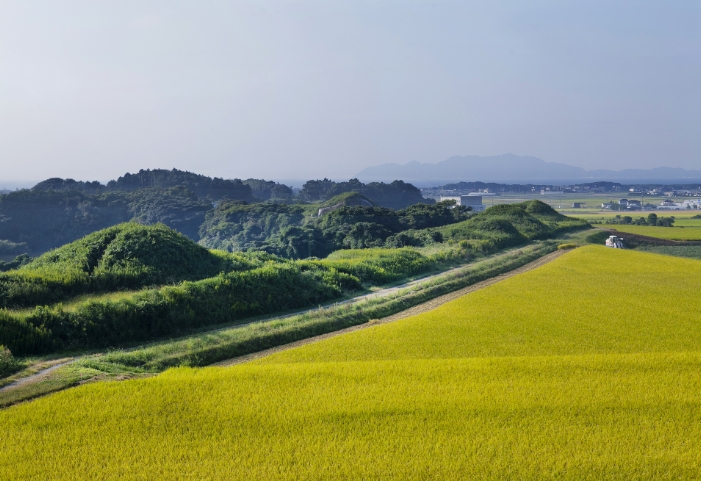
[{"x": 546, "y": 375}]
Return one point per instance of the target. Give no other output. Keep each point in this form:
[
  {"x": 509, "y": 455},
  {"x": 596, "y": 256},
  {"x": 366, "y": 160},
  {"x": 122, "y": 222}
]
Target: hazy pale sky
[{"x": 300, "y": 89}]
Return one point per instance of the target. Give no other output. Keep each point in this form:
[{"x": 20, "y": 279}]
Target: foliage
[
  {"x": 283, "y": 230},
  {"x": 269, "y": 190},
  {"x": 542, "y": 376},
  {"x": 46, "y": 219},
  {"x": 8, "y": 364},
  {"x": 377, "y": 266},
  {"x": 151, "y": 313},
  {"x": 507, "y": 225},
  {"x": 127, "y": 256},
  {"x": 201, "y": 185},
  {"x": 16, "y": 263},
  {"x": 652, "y": 220},
  {"x": 57, "y": 211},
  {"x": 396, "y": 195},
  {"x": 236, "y": 226}
]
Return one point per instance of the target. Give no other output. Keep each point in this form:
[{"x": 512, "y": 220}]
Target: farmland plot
[{"x": 586, "y": 368}]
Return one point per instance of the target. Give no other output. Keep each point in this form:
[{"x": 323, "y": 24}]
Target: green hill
[
  {"x": 126, "y": 256},
  {"x": 157, "y": 253},
  {"x": 506, "y": 225}
]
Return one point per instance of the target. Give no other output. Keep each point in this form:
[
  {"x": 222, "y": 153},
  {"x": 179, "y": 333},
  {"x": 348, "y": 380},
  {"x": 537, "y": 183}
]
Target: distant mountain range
[{"x": 510, "y": 168}]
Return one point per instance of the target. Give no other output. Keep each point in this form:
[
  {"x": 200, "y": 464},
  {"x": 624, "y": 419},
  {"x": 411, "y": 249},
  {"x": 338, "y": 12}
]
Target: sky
[{"x": 311, "y": 89}]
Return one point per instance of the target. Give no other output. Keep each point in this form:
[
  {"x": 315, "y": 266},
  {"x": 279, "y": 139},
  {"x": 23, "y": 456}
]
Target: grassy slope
[
  {"x": 673, "y": 233},
  {"x": 585, "y": 368},
  {"x": 125, "y": 256}
]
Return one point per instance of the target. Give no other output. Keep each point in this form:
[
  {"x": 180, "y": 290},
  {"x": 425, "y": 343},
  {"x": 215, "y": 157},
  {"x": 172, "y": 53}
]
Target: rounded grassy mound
[{"x": 154, "y": 254}]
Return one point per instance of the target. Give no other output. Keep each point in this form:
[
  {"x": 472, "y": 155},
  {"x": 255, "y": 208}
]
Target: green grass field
[
  {"x": 586, "y": 368},
  {"x": 671, "y": 233}
]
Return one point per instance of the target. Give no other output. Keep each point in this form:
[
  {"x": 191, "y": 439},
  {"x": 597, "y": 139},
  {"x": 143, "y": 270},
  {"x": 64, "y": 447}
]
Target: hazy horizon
[{"x": 295, "y": 90}]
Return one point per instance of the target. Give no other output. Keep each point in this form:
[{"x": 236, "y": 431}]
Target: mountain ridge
[{"x": 515, "y": 168}]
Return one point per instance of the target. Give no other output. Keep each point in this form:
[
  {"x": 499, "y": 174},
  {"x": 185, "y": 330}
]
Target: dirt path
[
  {"x": 38, "y": 376},
  {"x": 421, "y": 308}
]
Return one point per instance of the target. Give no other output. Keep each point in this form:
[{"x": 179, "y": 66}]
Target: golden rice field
[
  {"x": 586, "y": 368},
  {"x": 672, "y": 233}
]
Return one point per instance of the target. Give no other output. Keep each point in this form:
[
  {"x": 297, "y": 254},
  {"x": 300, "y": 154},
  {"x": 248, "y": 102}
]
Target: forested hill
[
  {"x": 201, "y": 185},
  {"x": 58, "y": 211},
  {"x": 395, "y": 195}
]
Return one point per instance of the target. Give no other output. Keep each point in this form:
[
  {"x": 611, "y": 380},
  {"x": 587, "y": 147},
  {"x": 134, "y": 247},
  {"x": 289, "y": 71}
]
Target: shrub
[{"x": 8, "y": 364}]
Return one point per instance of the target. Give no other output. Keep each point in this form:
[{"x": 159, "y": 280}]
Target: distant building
[
  {"x": 606, "y": 205},
  {"x": 634, "y": 205},
  {"x": 623, "y": 202},
  {"x": 470, "y": 200},
  {"x": 578, "y": 205}
]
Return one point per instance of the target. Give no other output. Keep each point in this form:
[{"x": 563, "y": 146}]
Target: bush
[
  {"x": 8, "y": 364},
  {"x": 377, "y": 265},
  {"x": 229, "y": 297},
  {"x": 127, "y": 256}
]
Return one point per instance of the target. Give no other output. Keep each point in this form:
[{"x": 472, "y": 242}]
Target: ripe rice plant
[{"x": 586, "y": 368}]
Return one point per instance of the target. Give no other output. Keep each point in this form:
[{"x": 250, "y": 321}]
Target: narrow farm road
[
  {"x": 36, "y": 377},
  {"x": 421, "y": 308}
]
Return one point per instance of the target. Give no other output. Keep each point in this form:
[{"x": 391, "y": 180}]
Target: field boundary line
[{"x": 412, "y": 311}]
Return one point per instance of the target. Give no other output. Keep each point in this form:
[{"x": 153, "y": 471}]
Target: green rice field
[
  {"x": 671, "y": 233},
  {"x": 586, "y": 368}
]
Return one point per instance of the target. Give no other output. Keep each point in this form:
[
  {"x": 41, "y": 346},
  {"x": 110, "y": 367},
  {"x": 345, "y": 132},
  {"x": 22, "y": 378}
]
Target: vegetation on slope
[
  {"x": 509, "y": 225},
  {"x": 42, "y": 220},
  {"x": 395, "y": 195},
  {"x": 284, "y": 230},
  {"x": 126, "y": 256},
  {"x": 58, "y": 211},
  {"x": 562, "y": 381}
]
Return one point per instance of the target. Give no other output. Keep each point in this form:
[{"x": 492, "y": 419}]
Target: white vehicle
[{"x": 615, "y": 242}]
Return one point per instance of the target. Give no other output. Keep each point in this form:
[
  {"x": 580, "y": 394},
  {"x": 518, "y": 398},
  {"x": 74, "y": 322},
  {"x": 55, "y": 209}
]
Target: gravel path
[{"x": 421, "y": 308}]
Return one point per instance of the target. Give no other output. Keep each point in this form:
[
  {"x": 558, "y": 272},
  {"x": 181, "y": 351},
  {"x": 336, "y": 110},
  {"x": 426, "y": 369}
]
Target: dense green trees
[
  {"x": 58, "y": 211},
  {"x": 45, "y": 219},
  {"x": 269, "y": 190},
  {"x": 396, "y": 195},
  {"x": 285, "y": 230},
  {"x": 652, "y": 219}
]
